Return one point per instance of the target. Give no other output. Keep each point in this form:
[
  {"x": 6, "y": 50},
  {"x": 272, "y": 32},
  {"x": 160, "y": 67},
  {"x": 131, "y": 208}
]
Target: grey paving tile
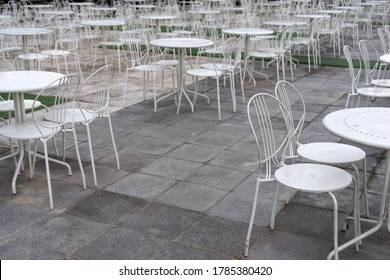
[
  {"x": 121, "y": 244},
  {"x": 161, "y": 220},
  {"x": 181, "y": 252},
  {"x": 195, "y": 124},
  {"x": 191, "y": 196},
  {"x": 171, "y": 168},
  {"x": 162, "y": 118},
  {"x": 141, "y": 185},
  {"x": 229, "y": 205},
  {"x": 278, "y": 245},
  {"x": 307, "y": 221},
  {"x": 130, "y": 113},
  {"x": 236, "y": 160},
  {"x": 18, "y": 251},
  {"x": 131, "y": 161},
  {"x": 63, "y": 233},
  {"x": 106, "y": 207},
  {"x": 14, "y": 218},
  {"x": 218, "y": 235},
  {"x": 155, "y": 146},
  {"x": 212, "y": 138},
  {"x": 193, "y": 152},
  {"x": 65, "y": 194},
  {"x": 217, "y": 177},
  {"x": 176, "y": 134}
]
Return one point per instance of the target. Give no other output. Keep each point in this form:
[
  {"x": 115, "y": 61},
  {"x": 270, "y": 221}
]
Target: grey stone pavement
[{"x": 185, "y": 187}]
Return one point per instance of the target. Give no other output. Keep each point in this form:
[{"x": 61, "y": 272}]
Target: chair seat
[
  {"x": 8, "y": 105},
  {"x": 374, "y": 91},
  {"x": 33, "y": 56},
  {"x": 27, "y": 130},
  {"x": 111, "y": 43},
  {"x": 151, "y": 67},
  {"x": 79, "y": 115},
  {"x": 331, "y": 153},
  {"x": 218, "y": 66},
  {"x": 315, "y": 178},
  {"x": 201, "y": 72},
  {"x": 381, "y": 82},
  {"x": 53, "y": 53},
  {"x": 263, "y": 54},
  {"x": 170, "y": 62}
]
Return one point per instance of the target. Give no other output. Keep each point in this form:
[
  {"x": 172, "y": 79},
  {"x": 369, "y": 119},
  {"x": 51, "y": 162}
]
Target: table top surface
[
  {"x": 40, "y": 6},
  {"x": 369, "y": 126},
  {"x": 204, "y": 12},
  {"x": 26, "y": 81},
  {"x": 102, "y": 8},
  {"x": 158, "y": 17},
  {"x": 24, "y": 31},
  {"x": 284, "y": 22},
  {"x": 103, "y": 22},
  {"x": 57, "y": 12},
  {"x": 5, "y": 16},
  {"x": 82, "y": 4},
  {"x": 248, "y": 31},
  {"x": 182, "y": 42},
  {"x": 385, "y": 58},
  {"x": 312, "y": 16},
  {"x": 330, "y": 11}
]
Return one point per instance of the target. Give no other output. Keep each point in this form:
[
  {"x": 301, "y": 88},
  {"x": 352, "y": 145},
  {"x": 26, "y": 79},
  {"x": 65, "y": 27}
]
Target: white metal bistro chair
[
  {"x": 84, "y": 113},
  {"x": 37, "y": 129},
  {"x": 305, "y": 177}
]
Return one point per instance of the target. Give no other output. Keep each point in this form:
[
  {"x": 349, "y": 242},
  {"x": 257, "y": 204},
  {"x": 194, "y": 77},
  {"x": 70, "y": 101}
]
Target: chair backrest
[
  {"x": 355, "y": 73},
  {"x": 63, "y": 91},
  {"x": 369, "y": 52},
  {"x": 133, "y": 40},
  {"x": 293, "y": 100},
  {"x": 384, "y": 40},
  {"x": 95, "y": 90},
  {"x": 264, "y": 111}
]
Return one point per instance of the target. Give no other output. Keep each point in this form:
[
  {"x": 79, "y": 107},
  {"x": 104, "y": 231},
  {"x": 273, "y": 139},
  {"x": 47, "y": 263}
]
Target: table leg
[
  {"x": 181, "y": 82},
  {"x": 382, "y": 212}
]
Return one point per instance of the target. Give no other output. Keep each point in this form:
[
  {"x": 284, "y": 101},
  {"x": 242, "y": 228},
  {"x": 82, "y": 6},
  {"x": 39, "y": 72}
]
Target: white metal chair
[
  {"x": 305, "y": 177},
  {"x": 216, "y": 70},
  {"x": 64, "y": 90},
  {"x": 358, "y": 88},
  {"x": 85, "y": 113},
  {"x": 331, "y": 153}
]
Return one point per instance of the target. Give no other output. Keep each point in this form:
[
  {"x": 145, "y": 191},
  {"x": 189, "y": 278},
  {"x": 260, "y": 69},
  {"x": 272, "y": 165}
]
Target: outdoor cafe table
[
  {"x": 369, "y": 126},
  {"x": 181, "y": 44},
  {"x": 17, "y": 83},
  {"x": 25, "y": 32}
]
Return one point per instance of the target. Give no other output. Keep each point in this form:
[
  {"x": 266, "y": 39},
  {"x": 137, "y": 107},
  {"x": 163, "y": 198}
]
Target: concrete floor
[{"x": 185, "y": 187}]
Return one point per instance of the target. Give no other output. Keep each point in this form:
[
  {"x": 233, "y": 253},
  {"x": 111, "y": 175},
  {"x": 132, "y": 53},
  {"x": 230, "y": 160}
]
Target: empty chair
[
  {"x": 358, "y": 88},
  {"x": 37, "y": 129},
  {"x": 271, "y": 150},
  {"x": 85, "y": 112},
  {"x": 331, "y": 153},
  {"x": 216, "y": 70}
]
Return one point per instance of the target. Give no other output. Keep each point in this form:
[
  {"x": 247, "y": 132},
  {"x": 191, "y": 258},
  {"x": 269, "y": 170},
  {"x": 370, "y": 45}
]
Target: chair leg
[
  {"x": 219, "y": 101},
  {"x": 113, "y": 143},
  {"x": 273, "y": 213},
  {"x": 248, "y": 236},
  {"x": 48, "y": 174},
  {"x": 79, "y": 158},
  {"x": 91, "y": 155},
  {"x": 335, "y": 226}
]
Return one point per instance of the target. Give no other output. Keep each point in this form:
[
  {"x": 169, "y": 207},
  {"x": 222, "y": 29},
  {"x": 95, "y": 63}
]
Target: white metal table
[
  {"x": 181, "y": 44},
  {"x": 18, "y": 83},
  {"x": 25, "y": 32},
  {"x": 369, "y": 126}
]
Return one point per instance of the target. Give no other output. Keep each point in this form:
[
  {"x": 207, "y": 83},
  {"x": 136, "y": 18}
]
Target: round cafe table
[
  {"x": 368, "y": 126},
  {"x": 17, "y": 83},
  {"x": 181, "y": 44}
]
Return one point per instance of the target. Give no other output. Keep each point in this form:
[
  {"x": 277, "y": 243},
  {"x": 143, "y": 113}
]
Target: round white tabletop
[
  {"x": 56, "y": 13},
  {"x": 26, "y": 81},
  {"x": 312, "y": 16},
  {"x": 103, "y": 22},
  {"x": 284, "y": 22},
  {"x": 204, "y": 12},
  {"x": 248, "y": 31},
  {"x": 25, "y": 31},
  {"x": 385, "y": 58},
  {"x": 3, "y": 17},
  {"x": 182, "y": 43},
  {"x": 158, "y": 17},
  {"x": 366, "y": 125},
  {"x": 103, "y": 9}
]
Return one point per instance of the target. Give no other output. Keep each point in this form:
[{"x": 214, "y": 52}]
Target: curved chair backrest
[
  {"x": 293, "y": 100},
  {"x": 263, "y": 110},
  {"x": 368, "y": 51},
  {"x": 63, "y": 90},
  {"x": 384, "y": 40},
  {"x": 97, "y": 87},
  {"x": 132, "y": 40},
  {"x": 355, "y": 73}
]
